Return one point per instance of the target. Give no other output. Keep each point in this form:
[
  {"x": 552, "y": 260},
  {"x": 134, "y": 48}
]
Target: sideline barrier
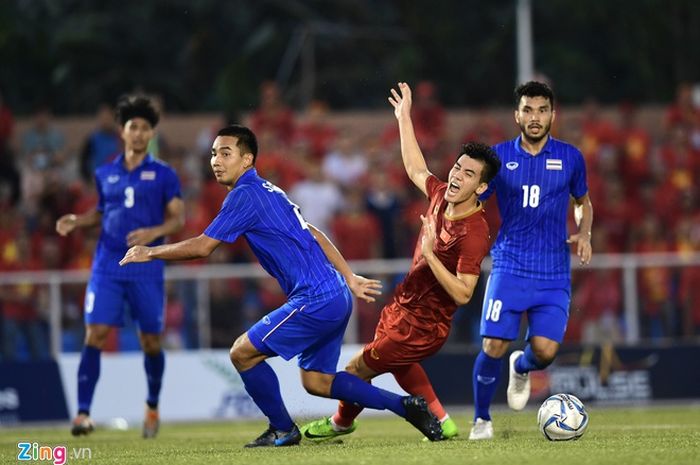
[
  {"x": 604, "y": 374},
  {"x": 197, "y": 385},
  {"x": 31, "y": 391}
]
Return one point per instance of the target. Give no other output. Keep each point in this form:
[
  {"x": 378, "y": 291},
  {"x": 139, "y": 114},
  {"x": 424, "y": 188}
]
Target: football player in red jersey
[{"x": 446, "y": 265}]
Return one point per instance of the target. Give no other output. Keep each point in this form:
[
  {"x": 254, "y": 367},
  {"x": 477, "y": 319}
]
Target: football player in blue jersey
[
  {"x": 531, "y": 256},
  {"x": 316, "y": 280},
  {"x": 139, "y": 202}
]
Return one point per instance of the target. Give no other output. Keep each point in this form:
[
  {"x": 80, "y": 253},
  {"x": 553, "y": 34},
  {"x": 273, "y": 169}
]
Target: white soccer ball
[{"x": 562, "y": 417}]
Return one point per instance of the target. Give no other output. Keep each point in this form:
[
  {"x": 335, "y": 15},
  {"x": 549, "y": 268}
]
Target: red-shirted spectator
[
  {"x": 355, "y": 231},
  {"x": 272, "y": 114},
  {"x": 315, "y": 131},
  {"x": 635, "y": 150},
  {"x": 654, "y": 282}
]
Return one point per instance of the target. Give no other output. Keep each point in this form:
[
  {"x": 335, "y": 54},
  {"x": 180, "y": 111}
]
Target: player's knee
[
  {"x": 238, "y": 355},
  {"x": 318, "y": 386},
  {"x": 545, "y": 356},
  {"x": 495, "y": 348},
  {"x": 150, "y": 344},
  {"x": 96, "y": 338}
]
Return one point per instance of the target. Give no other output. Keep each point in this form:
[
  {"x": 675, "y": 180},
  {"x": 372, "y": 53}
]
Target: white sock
[{"x": 337, "y": 427}]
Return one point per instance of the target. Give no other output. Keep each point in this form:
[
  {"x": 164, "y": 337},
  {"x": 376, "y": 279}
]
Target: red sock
[
  {"x": 346, "y": 413},
  {"x": 414, "y": 380}
]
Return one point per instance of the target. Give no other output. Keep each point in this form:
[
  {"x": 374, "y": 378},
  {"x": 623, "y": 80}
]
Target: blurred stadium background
[{"x": 311, "y": 78}]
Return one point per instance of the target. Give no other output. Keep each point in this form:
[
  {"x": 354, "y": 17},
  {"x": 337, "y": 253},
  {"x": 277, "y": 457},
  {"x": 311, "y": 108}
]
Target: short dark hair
[
  {"x": 483, "y": 152},
  {"x": 533, "y": 89},
  {"x": 137, "y": 106},
  {"x": 247, "y": 142}
]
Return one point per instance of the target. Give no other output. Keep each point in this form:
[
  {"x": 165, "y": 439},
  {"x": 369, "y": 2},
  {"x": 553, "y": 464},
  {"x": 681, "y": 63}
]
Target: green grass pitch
[{"x": 619, "y": 436}]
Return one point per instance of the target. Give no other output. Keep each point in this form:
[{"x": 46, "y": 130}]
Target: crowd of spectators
[{"x": 642, "y": 179}]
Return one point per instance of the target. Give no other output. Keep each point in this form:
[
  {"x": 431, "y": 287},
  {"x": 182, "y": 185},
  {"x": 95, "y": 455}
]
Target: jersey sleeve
[
  {"x": 433, "y": 185},
  {"x": 473, "y": 248},
  {"x": 578, "y": 186},
  {"x": 236, "y": 217},
  {"x": 171, "y": 188}
]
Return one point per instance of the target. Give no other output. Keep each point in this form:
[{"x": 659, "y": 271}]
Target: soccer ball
[{"x": 562, "y": 417}]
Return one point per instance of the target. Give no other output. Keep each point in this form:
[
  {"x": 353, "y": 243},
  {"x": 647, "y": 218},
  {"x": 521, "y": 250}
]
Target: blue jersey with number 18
[
  {"x": 279, "y": 237},
  {"x": 533, "y": 199}
]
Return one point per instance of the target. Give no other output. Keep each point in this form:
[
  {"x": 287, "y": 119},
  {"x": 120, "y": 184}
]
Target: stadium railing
[{"x": 630, "y": 264}]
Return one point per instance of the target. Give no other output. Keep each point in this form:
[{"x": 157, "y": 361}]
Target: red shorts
[{"x": 397, "y": 343}]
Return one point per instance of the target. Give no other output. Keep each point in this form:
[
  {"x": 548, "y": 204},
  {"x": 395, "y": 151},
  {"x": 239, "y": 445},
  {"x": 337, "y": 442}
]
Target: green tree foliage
[{"x": 212, "y": 55}]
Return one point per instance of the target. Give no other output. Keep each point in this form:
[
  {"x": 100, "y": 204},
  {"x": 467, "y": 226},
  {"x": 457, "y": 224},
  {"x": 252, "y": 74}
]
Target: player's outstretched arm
[
  {"x": 174, "y": 222},
  {"x": 67, "y": 223},
  {"x": 460, "y": 286},
  {"x": 583, "y": 214},
  {"x": 196, "y": 247},
  {"x": 413, "y": 159},
  {"x": 362, "y": 287}
]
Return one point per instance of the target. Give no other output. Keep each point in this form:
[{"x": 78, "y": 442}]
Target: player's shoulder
[
  {"x": 565, "y": 148},
  {"x": 160, "y": 165}
]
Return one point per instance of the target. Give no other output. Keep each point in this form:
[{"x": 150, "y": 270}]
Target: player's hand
[
  {"x": 583, "y": 246},
  {"x": 428, "y": 239},
  {"x": 401, "y": 103},
  {"x": 365, "y": 288},
  {"x": 136, "y": 254},
  {"x": 141, "y": 236},
  {"x": 66, "y": 224}
]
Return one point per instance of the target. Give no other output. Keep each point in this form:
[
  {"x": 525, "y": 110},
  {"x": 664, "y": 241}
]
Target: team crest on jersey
[
  {"x": 266, "y": 320},
  {"x": 148, "y": 175},
  {"x": 511, "y": 165},
  {"x": 112, "y": 178},
  {"x": 554, "y": 164},
  {"x": 445, "y": 236}
]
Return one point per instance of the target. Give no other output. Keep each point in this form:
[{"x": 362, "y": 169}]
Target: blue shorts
[
  {"x": 507, "y": 297},
  {"x": 105, "y": 300},
  {"x": 312, "y": 331}
]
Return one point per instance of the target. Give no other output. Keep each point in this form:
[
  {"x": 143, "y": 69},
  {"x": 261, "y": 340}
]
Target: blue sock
[
  {"x": 487, "y": 372},
  {"x": 350, "y": 388},
  {"x": 154, "y": 365},
  {"x": 262, "y": 385},
  {"x": 528, "y": 362},
  {"x": 88, "y": 373}
]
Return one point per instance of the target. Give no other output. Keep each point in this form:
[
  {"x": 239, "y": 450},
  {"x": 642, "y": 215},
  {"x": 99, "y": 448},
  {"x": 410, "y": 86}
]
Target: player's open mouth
[{"x": 453, "y": 188}]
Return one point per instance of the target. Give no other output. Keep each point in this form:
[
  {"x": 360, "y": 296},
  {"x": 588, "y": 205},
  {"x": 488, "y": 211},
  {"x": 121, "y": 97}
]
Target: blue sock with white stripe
[
  {"x": 262, "y": 385},
  {"x": 528, "y": 362},
  {"x": 350, "y": 388},
  {"x": 487, "y": 372}
]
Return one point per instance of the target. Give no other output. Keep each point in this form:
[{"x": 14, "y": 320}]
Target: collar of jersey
[
  {"x": 120, "y": 159},
  {"x": 546, "y": 149},
  {"x": 478, "y": 207},
  {"x": 247, "y": 176}
]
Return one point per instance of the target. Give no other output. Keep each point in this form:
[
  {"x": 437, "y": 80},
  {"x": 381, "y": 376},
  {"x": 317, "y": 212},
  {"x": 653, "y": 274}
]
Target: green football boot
[
  {"x": 322, "y": 430},
  {"x": 449, "y": 430}
]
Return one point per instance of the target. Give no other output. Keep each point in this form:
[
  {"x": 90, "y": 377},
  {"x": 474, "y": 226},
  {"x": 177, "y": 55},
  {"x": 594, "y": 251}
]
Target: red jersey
[{"x": 461, "y": 244}]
